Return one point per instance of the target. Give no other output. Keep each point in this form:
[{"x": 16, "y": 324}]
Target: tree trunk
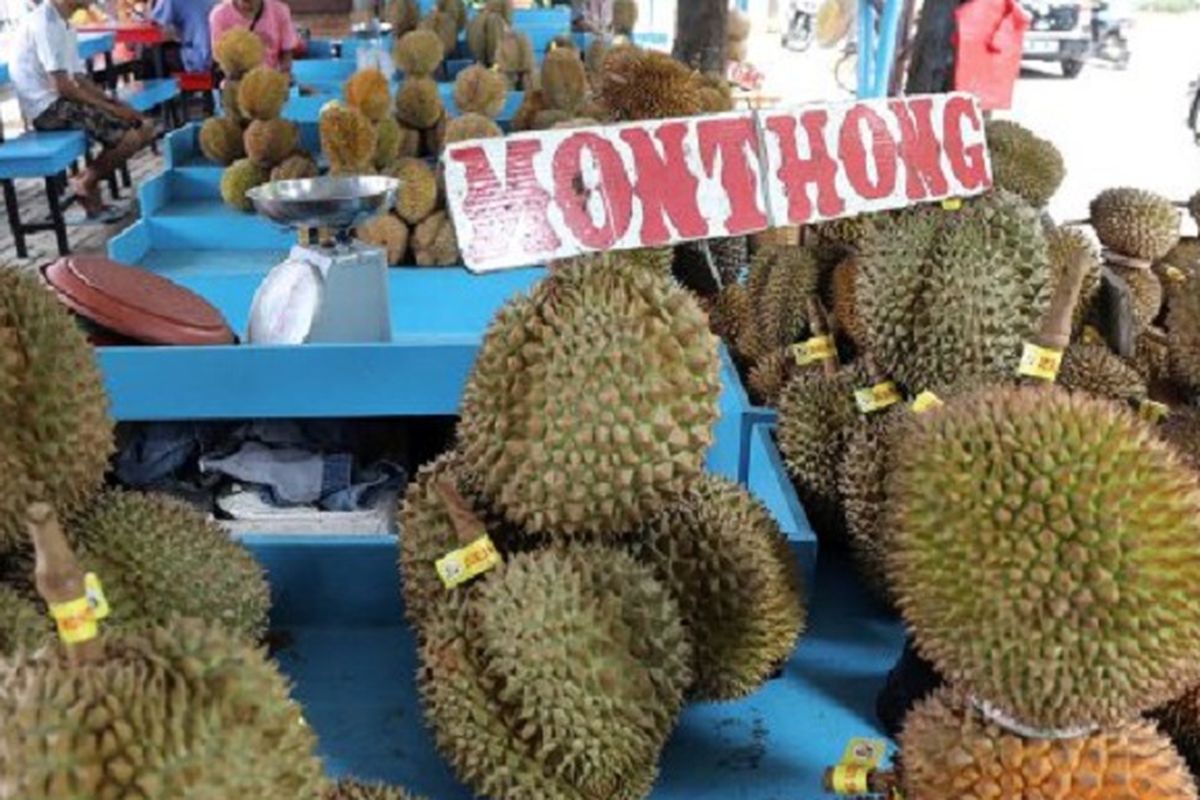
[
  {"x": 932, "y": 67},
  {"x": 700, "y": 34}
]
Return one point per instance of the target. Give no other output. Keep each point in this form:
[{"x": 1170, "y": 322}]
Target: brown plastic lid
[{"x": 136, "y": 303}]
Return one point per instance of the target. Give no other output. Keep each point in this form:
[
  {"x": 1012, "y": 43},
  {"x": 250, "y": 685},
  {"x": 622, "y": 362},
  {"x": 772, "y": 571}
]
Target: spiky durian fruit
[
  {"x": 55, "y": 432},
  {"x": 445, "y": 26},
  {"x": 484, "y": 34},
  {"x": 229, "y": 102},
  {"x": 502, "y": 7},
  {"x": 1183, "y": 330},
  {"x": 950, "y": 750},
  {"x": 561, "y": 680},
  {"x": 387, "y": 143},
  {"x": 592, "y": 400},
  {"x": 723, "y": 557},
  {"x": 769, "y": 375},
  {"x": 1152, "y": 356},
  {"x": 1066, "y": 245},
  {"x": 1146, "y": 293},
  {"x": 515, "y": 59},
  {"x": 550, "y": 118},
  {"x": 349, "y": 789},
  {"x": 531, "y": 106},
  {"x": 706, "y": 266},
  {"x": 1093, "y": 368},
  {"x": 456, "y": 10},
  {"x": 1182, "y": 429},
  {"x": 1025, "y": 516},
  {"x": 1023, "y": 163},
  {"x": 1185, "y": 257},
  {"x": 419, "y": 104},
  {"x": 418, "y": 195},
  {"x": 419, "y": 53},
  {"x": 624, "y": 17},
  {"x": 480, "y": 91},
  {"x": 220, "y": 140},
  {"x": 471, "y": 126},
  {"x": 434, "y": 241},
  {"x": 369, "y": 92},
  {"x": 262, "y": 93},
  {"x": 160, "y": 558},
  {"x": 729, "y": 312},
  {"x": 238, "y": 178},
  {"x": 564, "y": 80},
  {"x": 389, "y": 232},
  {"x": 1135, "y": 223},
  {"x": 716, "y": 93},
  {"x": 269, "y": 142},
  {"x": 185, "y": 710},
  {"x": 403, "y": 15},
  {"x": 348, "y": 139},
  {"x": 779, "y": 284},
  {"x": 238, "y": 51},
  {"x": 295, "y": 168},
  {"x": 646, "y": 84},
  {"x": 23, "y": 625},
  {"x": 845, "y": 309},
  {"x": 952, "y": 295}
]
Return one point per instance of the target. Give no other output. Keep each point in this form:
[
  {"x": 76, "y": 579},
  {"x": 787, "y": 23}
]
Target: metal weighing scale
[{"x": 331, "y": 288}]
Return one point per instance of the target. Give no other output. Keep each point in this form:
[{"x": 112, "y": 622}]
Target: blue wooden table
[{"x": 94, "y": 44}]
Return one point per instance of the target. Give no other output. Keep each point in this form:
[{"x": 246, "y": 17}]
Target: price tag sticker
[
  {"x": 867, "y": 753},
  {"x": 95, "y": 596},
  {"x": 925, "y": 402},
  {"x": 1040, "y": 362},
  {"x": 952, "y": 204},
  {"x": 1175, "y": 274},
  {"x": 1153, "y": 411},
  {"x": 459, "y": 566},
  {"x": 850, "y": 779},
  {"x": 818, "y": 348},
  {"x": 877, "y": 397},
  {"x": 75, "y": 620}
]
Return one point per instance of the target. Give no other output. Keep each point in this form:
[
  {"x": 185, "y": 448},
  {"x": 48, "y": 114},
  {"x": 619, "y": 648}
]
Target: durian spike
[
  {"x": 875, "y": 375},
  {"x": 818, "y": 324},
  {"x": 467, "y": 526},
  {"x": 1055, "y": 330},
  {"x": 57, "y": 573}
]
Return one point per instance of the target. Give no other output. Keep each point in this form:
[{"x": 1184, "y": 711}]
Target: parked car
[{"x": 1059, "y": 31}]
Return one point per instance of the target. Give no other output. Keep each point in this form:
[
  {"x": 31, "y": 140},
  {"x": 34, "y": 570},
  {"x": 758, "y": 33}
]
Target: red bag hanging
[{"x": 988, "y": 44}]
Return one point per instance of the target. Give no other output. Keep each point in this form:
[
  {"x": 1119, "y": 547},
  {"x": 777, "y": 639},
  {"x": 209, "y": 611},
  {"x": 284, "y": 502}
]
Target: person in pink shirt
[{"x": 270, "y": 19}]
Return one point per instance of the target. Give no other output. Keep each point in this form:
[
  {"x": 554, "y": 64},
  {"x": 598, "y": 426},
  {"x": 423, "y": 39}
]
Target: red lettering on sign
[
  {"x": 495, "y": 210},
  {"x": 796, "y": 172},
  {"x": 853, "y": 153},
  {"x": 736, "y": 139},
  {"x": 613, "y": 188},
  {"x": 968, "y": 163},
  {"x": 919, "y": 148},
  {"x": 664, "y": 184}
]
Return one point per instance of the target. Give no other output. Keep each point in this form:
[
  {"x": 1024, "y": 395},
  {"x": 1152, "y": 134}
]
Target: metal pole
[{"x": 886, "y": 56}]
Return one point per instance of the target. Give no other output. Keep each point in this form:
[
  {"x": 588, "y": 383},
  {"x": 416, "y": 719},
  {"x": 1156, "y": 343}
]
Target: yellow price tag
[
  {"x": 850, "y": 779},
  {"x": 1175, "y": 274},
  {"x": 926, "y": 401},
  {"x": 458, "y": 567},
  {"x": 818, "y": 348},
  {"x": 952, "y": 203},
  {"x": 75, "y": 621},
  {"x": 1040, "y": 362},
  {"x": 877, "y": 397},
  {"x": 867, "y": 753},
  {"x": 1153, "y": 411}
]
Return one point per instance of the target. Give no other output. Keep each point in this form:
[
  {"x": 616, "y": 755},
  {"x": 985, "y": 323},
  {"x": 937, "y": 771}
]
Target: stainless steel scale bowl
[{"x": 325, "y": 202}]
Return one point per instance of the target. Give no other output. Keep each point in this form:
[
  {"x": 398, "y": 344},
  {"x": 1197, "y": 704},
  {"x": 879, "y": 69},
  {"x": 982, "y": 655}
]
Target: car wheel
[{"x": 1071, "y": 69}]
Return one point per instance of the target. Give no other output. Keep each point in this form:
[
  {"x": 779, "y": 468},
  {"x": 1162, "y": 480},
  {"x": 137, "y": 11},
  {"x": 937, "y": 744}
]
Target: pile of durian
[
  {"x": 250, "y": 139},
  {"x": 629, "y": 580}
]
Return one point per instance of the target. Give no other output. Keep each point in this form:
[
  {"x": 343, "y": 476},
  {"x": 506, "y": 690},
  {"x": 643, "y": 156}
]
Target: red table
[{"x": 139, "y": 34}]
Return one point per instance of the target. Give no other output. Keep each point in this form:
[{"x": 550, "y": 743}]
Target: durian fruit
[
  {"x": 1152, "y": 356},
  {"x": 238, "y": 51},
  {"x": 729, "y": 312},
  {"x": 403, "y": 15},
  {"x": 23, "y": 625},
  {"x": 484, "y": 34},
  {"x": 220, "y": 140},
  {"x": 779, "y": 283},
  {"x": 1180, "y": 720},
  {"x": 295, "y": 168},
  {"x": 348, "y": 139},
  {"x": 950, "y": 750},
  {"x": 562, "y": 679},
  {"x": 1065, "y": 246},
  {"x": 531, "y": 106},
  {"x": 502, "y": 7},
  {"x": 349, "y": 789},
  {"x": 645, "y": 84},
  {"x": 624, "y": 17},
  {"x": 229, "y": 102},
  {"x": 1183, "y": 331},
  {"x": 387, "y": 143},
  {"x": 238, "y": 178},
  {"x": 1089, "y": 366},
  {"x": 269, "y": 142},
  {"x": 55, "y": 432},
  {"x": 845, "y": 308},
  {"x": 480, "y": 91},
  {"x": 1023, "y": 163},
  {"x": 1182, "y": 429},
  {"x": 592, "y": 400},
  {"x": 434, "y": 242},
  {"x": 419, "y": 53},
  {"x": 593, "y": 59},
  {"x": 418, "y": 195},
  {"x": 262, "y": 93},
  {"x": 724, "y": 559},
  {"x": 1146, "y": 293},
  {"x": 769, "y": 375},
  {"x": 159, "y": 558},
  {"x": 389, "y": 232},
  {"x": 716, "y": 93},
  {"x": 515, "y": 59},
  {"x": 1135, "y": 223},
  {"x": 471, "y": 126},
  {"x": 952, "y": 295},
  {"x": 445, "y": 26},
  {"x": 551, "y": 118},
  {"x": 1024, "y": 517},
  {"x": 456, "y": 10},
  {"x": 418, "y": 103},
  {"x": 410, "y": 143},
  {"x": 369, "y": 92},
  {"x": 564, "y": 80}
]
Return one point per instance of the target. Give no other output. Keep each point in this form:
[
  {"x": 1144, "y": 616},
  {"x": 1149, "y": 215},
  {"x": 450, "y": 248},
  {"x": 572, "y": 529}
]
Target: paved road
[{"x": 1114, "y": 128}]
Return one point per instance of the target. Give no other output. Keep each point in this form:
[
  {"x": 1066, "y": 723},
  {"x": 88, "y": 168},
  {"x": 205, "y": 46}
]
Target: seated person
[
  {"x": 55, "y": 94},
  {"x": 270, "y": 19},
  {"x": 189, "y": 20}
]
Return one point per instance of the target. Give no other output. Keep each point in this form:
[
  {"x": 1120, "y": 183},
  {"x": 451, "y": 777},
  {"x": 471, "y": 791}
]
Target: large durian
[
  {"x": 472, "y": 126},
  {"x": 516, "y": 61},
  {"x": 952, "y": 295},
  {"x": 560, "y": 679},
  {"x": 419, "y": 53},
  {"x": 238, "y": 178},
  {"x": 23, "y": 624},
  {"x": 238, "y": 51},
  {"x": 269, "y": 142},
  {"x": 1091, "y": 367},
  {"x": 220, "y": 140},
  {"x": 766, "y": 379},
  {"x": 1135, "y": 223},
  {"x": 723, "y": 557},
  {"x": 1041, "y": 540},
  {"x": 1023, "y": 163},
  {"x": 403, "y": 15},
  {"x": 418, "y": 195},
  {"x": 349, "y": 789},
  {"x": 295, "y": 167},
  {"x": 55, "y": 432},
  {"x": 564, "y": 80},
  {"x": 262, "y": 93},
  {"x": 445, "y": 26},
  {"x": 388, "y": 141},
  {"x": 419, "y": 103},
  {"x": 1183, "y": 330},
  {"x": 843, "y": 304},
  {"x": 369, "y": 92},
  {"x": 348, "y": 139},
  {"x": 388, "y": 232},
  {"x": 484, "y": 33},
  {"x": 950, "y": 750},
  {"x": 592, "y": 400},
  {"x": 779, "y": 284},
  {"x": 435, "y": 242},
  {"x": 480, "y": 91},
  {"x": 645, "y": 84}
]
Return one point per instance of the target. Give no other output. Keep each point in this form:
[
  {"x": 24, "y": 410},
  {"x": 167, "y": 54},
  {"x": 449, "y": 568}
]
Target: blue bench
[
  {"x": 145, "y": 96},
  {"x": 45, "y": 155}
]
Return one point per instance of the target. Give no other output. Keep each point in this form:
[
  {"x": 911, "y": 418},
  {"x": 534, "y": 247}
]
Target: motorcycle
[
  {"x": 800, "y": 24},
  {"x": 1110, "y": 35}
]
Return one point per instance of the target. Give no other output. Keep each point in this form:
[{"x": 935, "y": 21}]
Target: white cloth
[{"x": 43, "y": 44}]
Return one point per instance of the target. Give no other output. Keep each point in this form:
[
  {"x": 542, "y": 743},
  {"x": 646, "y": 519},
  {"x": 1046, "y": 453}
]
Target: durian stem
[
  {"x": 875, "y": 375},
  {"x": 1055, "y": 331},
  {"x": 818, "y": 324},
  {"x": 467, "y": 526},
  {"x": 57, "y": 573}
]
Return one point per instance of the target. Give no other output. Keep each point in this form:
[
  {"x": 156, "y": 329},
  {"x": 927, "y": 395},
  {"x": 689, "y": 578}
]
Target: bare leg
[{"x": 87, "y": 184}]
